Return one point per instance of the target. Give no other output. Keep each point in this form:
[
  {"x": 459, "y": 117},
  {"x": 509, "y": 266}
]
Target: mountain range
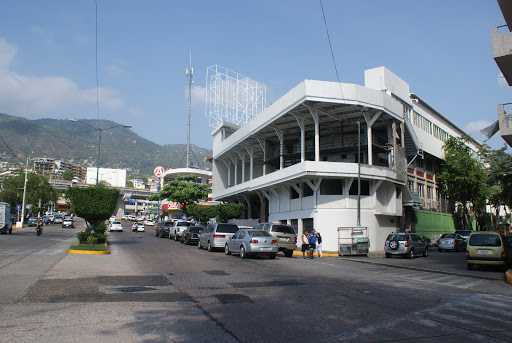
[{"x": 77, "y": 143}]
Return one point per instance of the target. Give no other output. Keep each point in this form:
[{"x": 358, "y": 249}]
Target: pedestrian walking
[
  {"x": 135, "y": 230},
  {"x": 312, "y": 242},
  {"x": 318, "y": 244},
  {"x": 305, "y": 244}
]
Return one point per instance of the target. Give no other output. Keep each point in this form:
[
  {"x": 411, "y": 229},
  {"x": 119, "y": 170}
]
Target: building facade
[
  {"x": 330, "y": 156},
  {"x": 115, "y": 177}
]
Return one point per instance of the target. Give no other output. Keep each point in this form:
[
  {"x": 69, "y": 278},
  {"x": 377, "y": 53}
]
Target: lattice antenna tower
[{"x": 232, "y": 97}]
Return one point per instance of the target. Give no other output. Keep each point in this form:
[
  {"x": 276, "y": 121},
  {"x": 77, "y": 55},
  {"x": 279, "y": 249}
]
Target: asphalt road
[{"x": 157, "y": 290}]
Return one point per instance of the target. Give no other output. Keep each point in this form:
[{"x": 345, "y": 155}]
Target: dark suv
[
  {"x": 405, "y": 244},
  {"x": 163, "y": 229}
]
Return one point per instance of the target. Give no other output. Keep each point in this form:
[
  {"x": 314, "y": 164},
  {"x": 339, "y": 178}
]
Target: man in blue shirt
[{"x": 312, "y": 243}]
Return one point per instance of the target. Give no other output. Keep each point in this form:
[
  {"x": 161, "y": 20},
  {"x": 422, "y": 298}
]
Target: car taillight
[
  {"x": 384, "y": 244},
  {"x": 453, "y": 241},
  {"x": 254, "y": 241},
  {"x": 191, "y": 235},
  {"x": 219, "y": 236},
  {"x": 274, "y": 241},
  {"x": 406, "y": 244},
  {"x": 295, "y": 241},
  {"x": 467, "y": 253},
  {"x": 503, "y": 254}
]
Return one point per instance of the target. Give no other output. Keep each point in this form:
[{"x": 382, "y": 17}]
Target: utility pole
[
  {"x": 190, "y": 73},
  {"x": 20, "y": 224}
]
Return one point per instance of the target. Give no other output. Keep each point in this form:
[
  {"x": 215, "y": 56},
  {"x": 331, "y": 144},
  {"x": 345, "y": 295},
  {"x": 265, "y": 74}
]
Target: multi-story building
[
  {"x": 331, "y": 155},
  {"x": 114, "y": 177},
  {"x": 502, "y": 53}
]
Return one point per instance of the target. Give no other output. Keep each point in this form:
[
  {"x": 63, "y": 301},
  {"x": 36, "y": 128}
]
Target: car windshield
[
  {"x": 448, "y": 235},
  {"x": 395, "y": 237},
  {"x": 183, "y": 224},
  {"x": 115, "y": 222},
  {"x": 259, "y": 233},
  {"x": 464, "y": 232},
  {"x": 485, "y": 240},
  {"x": 283, "y": 229},
  {"x": 227, "y": 228},
  {"x": 168, "y": 224},
  {"x": 195, "y": 229}
]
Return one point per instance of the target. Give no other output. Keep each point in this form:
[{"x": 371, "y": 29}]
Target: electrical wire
[
  {"x": 9, "y": 148},
  {"x": 330, "y": 46}
]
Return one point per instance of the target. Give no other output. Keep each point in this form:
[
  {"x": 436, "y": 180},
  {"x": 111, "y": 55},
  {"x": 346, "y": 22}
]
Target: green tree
[
  {"x": 228, "y": 211},
  {"x": 203, "y": 213},
  {"x": 499, "y": 177},
  {"x": 464, "y": 179},
  {"x": 184, "y": 191},
  {"x": 94, "y": 204},
  {"x": 38, "y": 190},
  {"x": 67, "y": 175}
]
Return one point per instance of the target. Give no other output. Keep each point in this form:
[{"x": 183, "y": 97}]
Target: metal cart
[{"x": 353, "y": 241}]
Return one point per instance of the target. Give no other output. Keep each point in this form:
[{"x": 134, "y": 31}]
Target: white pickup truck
[
  {"x": 177, "y": 229},
  {"x": 5, "y": 218}
]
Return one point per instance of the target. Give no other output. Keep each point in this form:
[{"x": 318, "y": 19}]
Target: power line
[
  {"x": 330, "y": 46},
  {"x": 9, "y": 148}
]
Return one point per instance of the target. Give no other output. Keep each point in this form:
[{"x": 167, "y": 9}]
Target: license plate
[
  {"x": 283, "y": 239},
  {"x": 265, "y": 249},
  {"x": 483, "y": 252}
]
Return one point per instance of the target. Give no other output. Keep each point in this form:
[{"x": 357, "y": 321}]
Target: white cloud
[
  {"x": 54, "y": 96},
  {"x": 115, "y": 71},
  {"x": 198, "y": 97},
  {"x": 475, "y": 126}
]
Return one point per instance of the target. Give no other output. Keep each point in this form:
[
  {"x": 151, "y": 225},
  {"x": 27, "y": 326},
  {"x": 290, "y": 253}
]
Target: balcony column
[
  {"x": 251, "y": 161},
  {"x": 233, "y": 159},
  {"x": 370, "y": 120},
  {"x": 300, "y": 121},
  {"x": 228, "y": 167},
  {"x": 279, "y": 134},
  {"x": 314, "y": 114},
  {"x": 263, "y": 145},
  {"x": 242, "y": 160}
]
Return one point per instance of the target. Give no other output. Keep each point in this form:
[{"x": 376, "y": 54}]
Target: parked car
[
  {"x": 488, "y": 248},
  {"x": 191, "y": 234},
  {"x": 116, "y": 225},
  {"x": 216, "y": 235},
  {"x": 285, "y": 235},
  {"x": 46, "y": 220},
  {"x": 32, "y": 221},
  {"x": 451, "y": 241},
  {"x": 149, "y": 222},
  {"x": 57, "y": 219},
  {"x": 405, "y": 244},
  {"x": 178, "y": 228},
  {"x": 163, "y": 228},
  {"x": 111, "y": 219},
  {"x": 464, "y": 233},
  {"x": 138, "y": 226},
  {"x": 67, "y": 222},
  {"x": 252, "y": 242}
]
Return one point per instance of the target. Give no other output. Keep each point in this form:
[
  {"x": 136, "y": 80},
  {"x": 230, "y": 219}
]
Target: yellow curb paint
[
  {"x": 509, "y": 276},
  {"x": 88, "y": 252},
  {"x": 298, "y": 252}
]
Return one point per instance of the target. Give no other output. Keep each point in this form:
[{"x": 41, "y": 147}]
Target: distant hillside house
[
  {"x": 138, "y": 184},
  {"x": 297, "y": 161}
]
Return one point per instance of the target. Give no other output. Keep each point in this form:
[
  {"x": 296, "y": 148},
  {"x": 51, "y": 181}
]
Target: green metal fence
[{"x": 432, "y": 223}]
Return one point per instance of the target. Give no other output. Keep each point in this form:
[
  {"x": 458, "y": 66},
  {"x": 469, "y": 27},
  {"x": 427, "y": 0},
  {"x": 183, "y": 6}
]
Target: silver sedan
[
  {"x": 247, "y": 242},
  {"x": 451, "y": 241}
]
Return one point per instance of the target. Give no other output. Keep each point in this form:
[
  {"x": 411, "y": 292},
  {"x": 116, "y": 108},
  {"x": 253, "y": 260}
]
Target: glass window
[
  {"x": 365, "y": 188},
  {"x": 485, "y": 240},
  {"x": 227, "y": 228},
  {"x": 331, "y": 187},
  {"x": 283, "y": 229},
  {"x": 259, "y": 234}
]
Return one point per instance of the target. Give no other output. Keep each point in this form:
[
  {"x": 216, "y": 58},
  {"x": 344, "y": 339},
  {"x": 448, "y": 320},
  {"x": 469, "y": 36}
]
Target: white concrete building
[
  {"x": 115, "y": 177},
  {"x": 297, "y": 161},
  {"x": 138, "y": 184}
]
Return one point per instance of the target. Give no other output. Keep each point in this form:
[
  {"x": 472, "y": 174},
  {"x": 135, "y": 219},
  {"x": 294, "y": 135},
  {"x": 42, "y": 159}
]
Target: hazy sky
[{"x": 47, "y": 56}]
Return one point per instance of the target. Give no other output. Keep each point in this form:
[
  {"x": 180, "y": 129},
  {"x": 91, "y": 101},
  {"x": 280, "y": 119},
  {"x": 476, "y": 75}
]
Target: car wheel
[
  {"x": 439, "y": 249},
  {"x": 210, "y": 248},
  {"x": 226, "y": 250},
  {"x": 199, "y": 246},
  {"x": 272, "y": 256},
  {"x": 411, "y": 254},
  {"x": 470, "y": 266},
  {"x": 388, "y": 255},
  {"x": 425, "y": 253},
  {"x": 243, "y": 254},
  {"x": 156, "y": 233},
  {"x": 288, "y": 253},
  {"x": 176, "y": 238}
]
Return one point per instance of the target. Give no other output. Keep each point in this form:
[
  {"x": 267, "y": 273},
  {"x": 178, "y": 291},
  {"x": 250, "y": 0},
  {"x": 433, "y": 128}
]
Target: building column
[
  {"x": 251, "y": 162},
  {"x": 242, "y": 160},
  {"x": 300, "y": 121},
  {"x": 370, "y": 120},
  {"x": 279, "y": 134},
  {"x": 233, "y": 159},
  {"x": 263, "y": 145},
  {"x": 228, "y": 167}
]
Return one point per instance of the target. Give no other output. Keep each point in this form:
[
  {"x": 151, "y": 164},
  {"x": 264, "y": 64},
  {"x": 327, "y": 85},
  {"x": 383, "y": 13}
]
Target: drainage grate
[
  {"x": 215, "y": 272},
  {"x": 135, "y": 289},
  {"x": 266, "y": 284},
  {"x": 233, "y": 298}
]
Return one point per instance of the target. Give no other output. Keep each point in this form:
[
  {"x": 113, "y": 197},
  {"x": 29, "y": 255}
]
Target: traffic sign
[{"x": 159, "y": 171}]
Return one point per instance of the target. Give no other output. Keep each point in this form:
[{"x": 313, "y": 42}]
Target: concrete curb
[
  {"x": 89, "y": 252},
  {"x": 508, "y": 274},
  {"x": 299, "y": 253}
]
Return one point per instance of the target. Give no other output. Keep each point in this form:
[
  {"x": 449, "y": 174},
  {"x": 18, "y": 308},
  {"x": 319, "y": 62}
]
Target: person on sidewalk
[
  {"x": 312, "y": 243},
  {"x": 135, "y": 230},
  {"x": 318, "y": 244},
  {"x": 305, "y": 243}
]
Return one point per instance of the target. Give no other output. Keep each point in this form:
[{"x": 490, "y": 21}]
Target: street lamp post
[
  {"x": 364, "y": 109},
  {"x": 100, "y": 130}
]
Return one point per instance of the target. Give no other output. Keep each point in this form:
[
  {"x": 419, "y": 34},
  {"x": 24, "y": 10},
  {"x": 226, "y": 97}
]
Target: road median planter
[{"x": 89, "y": 249}]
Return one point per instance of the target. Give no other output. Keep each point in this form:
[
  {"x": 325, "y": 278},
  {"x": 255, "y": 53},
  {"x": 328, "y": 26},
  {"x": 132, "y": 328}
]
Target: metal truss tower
[{"x": 232, "y": 97}]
